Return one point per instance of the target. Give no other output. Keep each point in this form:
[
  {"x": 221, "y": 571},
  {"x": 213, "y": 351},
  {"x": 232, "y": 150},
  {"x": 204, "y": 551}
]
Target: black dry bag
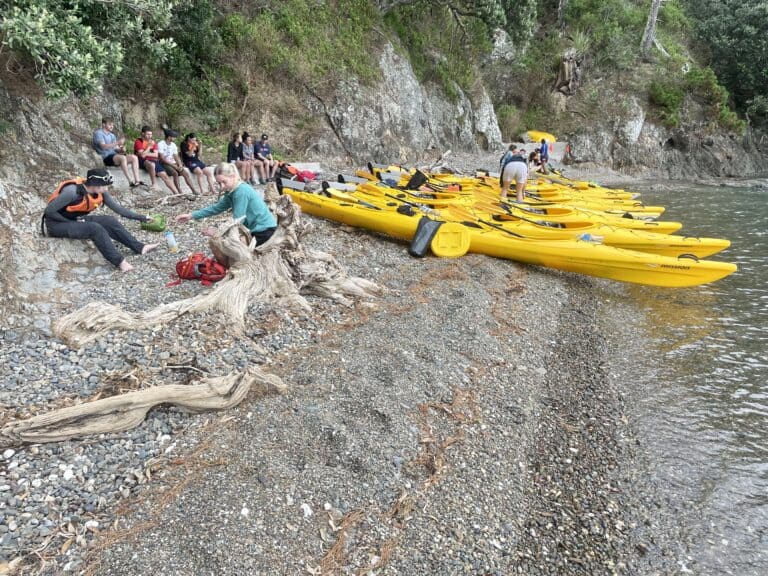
[{"x": 425, "y": 231}]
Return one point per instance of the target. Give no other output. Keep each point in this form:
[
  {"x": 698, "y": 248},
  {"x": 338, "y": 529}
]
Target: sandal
[{"x": 134, "y": 184}]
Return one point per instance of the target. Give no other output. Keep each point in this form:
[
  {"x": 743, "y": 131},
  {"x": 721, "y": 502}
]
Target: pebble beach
[{"x": 470, "y": 420}]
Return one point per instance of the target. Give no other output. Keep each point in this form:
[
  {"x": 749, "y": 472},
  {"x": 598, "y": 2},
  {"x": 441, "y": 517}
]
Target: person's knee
[{"x": 107, "y": 220}]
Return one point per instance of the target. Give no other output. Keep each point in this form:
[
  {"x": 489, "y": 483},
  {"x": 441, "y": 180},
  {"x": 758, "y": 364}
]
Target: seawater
[{"x": 702, "y": 410}]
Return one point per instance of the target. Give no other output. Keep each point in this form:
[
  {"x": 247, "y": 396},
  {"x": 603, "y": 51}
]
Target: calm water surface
[{"x": 704, "y": 407}]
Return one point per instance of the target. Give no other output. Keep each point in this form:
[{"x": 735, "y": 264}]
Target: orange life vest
[{"x": 88, "y": 201}]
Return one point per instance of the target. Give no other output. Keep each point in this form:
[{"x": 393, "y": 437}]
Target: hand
[
  {"x": 181, "y": 218},
  {"x": 210, "y": 232}
]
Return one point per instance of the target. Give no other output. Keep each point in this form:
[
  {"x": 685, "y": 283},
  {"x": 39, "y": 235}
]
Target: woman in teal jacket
[{"x": 244, "y": 202}]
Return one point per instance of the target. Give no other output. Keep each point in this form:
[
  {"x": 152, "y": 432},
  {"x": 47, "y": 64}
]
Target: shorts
[
  {"x": 194, "y": 164},
  {"x": 158, "y": 167},
  {"x": 110, "y": 160},
  {"x": 516, "y": 171},
  {"x": 173, "y": 169}
]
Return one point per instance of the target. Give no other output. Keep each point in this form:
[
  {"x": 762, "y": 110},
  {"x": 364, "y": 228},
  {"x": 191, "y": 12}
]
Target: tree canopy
[
  {"x": 732, "y": 34},
  {"x": 75, "y": 46}
]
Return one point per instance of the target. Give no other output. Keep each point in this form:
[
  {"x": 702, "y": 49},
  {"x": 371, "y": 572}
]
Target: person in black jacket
[{"x": 69, "y": 215}]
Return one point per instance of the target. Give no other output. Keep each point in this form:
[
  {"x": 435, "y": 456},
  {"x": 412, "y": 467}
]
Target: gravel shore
[{"x": 471, "y": 420}]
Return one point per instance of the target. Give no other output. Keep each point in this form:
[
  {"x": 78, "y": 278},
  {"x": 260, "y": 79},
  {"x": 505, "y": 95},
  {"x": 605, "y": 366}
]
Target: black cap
[
  {"x": 98, "y": 177},
  {"x": 170, "y": 133},
  {"x": 264, "y": 137}
]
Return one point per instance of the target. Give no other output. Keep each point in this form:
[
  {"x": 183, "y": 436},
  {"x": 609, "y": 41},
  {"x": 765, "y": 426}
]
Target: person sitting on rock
[
  {"x": 249, "y": 156},
  {"x": 191, "y": 151},
  {"x": 69, "y": 215},
  {"x": 235, "y": 156},
  {"x": 112, "y": 151},
  {"x": 145, "y": 148},
  {"x": 169, "y": 156},
  {"x": 244, "y": 202},
  {"x": 264, "y": 153}
]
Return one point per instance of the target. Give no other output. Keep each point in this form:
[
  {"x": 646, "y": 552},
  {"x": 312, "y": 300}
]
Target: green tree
[
  {"x": 732, "y": 33},
  {"x": 74, "y": 46}
]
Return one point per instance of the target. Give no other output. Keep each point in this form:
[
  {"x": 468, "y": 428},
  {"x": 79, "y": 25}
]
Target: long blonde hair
[{"x": 230, "y": 171}]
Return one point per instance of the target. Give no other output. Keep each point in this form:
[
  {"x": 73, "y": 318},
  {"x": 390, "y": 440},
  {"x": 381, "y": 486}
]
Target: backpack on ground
[
  {"x": 288, "y": 172},
  {"x": 198, "y": 266}
]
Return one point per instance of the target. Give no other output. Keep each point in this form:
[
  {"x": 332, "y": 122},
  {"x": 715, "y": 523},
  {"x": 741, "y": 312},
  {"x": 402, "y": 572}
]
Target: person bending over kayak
[
  {"x": 68, "y": 215},
  {"x": 515, "y": 168},
  {"x": 243, "y": 200}
]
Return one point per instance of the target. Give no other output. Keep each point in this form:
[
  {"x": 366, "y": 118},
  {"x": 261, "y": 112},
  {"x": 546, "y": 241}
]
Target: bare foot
[
  {"x": 147, "y": 249},
  {"x": 125, "y": 266}
]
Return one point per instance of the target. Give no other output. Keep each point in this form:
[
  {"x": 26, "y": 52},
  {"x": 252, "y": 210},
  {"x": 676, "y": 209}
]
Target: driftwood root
[{"x": 127, "y": 411}]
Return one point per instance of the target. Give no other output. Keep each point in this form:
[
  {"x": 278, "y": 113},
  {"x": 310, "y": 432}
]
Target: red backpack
[{"x": 198, "y": 266}]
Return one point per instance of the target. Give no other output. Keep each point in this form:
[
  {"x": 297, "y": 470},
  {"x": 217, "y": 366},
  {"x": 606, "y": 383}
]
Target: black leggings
[
  {"x": 102, "y": 230},
  {"x": 264, "y": 235}
]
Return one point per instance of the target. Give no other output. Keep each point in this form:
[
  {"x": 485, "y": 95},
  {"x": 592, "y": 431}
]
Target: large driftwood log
[
  {"x": 126, "y": 411},
  {"x": 278, "y": 271}
]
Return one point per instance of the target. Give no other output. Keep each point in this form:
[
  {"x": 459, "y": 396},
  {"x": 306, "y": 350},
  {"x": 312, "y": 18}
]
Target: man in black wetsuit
[{"x": 69, "y": 215}]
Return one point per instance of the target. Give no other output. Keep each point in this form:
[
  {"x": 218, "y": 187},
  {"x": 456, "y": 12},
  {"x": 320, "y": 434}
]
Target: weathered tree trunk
[
  {"x": 278, "y": 271},
  {"x": 650, "y": 31},
  {"x": 126, "y": 411}
]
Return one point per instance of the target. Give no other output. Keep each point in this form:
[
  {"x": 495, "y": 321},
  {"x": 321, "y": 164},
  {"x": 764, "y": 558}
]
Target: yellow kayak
[
  {"x": 650, "y": 242},
  {"x": 487, "y": 237},
  {"x": 562, "y": 213},
  {"x": 461, "y": 208},
  {"x": 450, "y": 240},
  {"x": 537, "y": 136}
]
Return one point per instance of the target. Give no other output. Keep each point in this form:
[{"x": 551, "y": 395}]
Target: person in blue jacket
[
  {"x": 243, "y": 200},
  {"x": 544, "y": 156}
]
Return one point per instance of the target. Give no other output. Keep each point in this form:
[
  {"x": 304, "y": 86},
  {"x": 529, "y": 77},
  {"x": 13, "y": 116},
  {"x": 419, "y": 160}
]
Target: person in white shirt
[{"x": 169, "y": 156}]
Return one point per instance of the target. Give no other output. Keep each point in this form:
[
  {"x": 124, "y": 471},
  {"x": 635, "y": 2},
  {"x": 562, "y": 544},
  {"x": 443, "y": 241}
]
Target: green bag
[{"x": 157, "y": 224}]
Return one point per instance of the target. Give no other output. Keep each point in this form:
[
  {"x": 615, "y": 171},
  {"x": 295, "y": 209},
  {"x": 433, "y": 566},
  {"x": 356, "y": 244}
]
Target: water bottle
[{"x": 170, "y": 240}]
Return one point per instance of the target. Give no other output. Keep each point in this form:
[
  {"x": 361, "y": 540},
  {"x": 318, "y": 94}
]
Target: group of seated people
[
  {"x": 254, "y": 160},
  {"x": 166, "y": 161}
]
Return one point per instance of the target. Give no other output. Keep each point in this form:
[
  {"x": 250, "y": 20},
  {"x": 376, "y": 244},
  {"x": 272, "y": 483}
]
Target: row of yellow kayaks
[{"x": 567, "y": 235}]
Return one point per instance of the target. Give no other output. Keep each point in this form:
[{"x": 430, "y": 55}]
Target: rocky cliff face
[
  {"x": 399, "y": 119},
  {"x": 635, "y": 144}
]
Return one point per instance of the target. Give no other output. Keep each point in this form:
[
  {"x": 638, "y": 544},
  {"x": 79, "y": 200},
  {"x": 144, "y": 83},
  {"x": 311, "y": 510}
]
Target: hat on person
[
  {"x": 170, "y": 133},
  {"x": 264, "y": 137},
  {"x": 98, "y": 177}
]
